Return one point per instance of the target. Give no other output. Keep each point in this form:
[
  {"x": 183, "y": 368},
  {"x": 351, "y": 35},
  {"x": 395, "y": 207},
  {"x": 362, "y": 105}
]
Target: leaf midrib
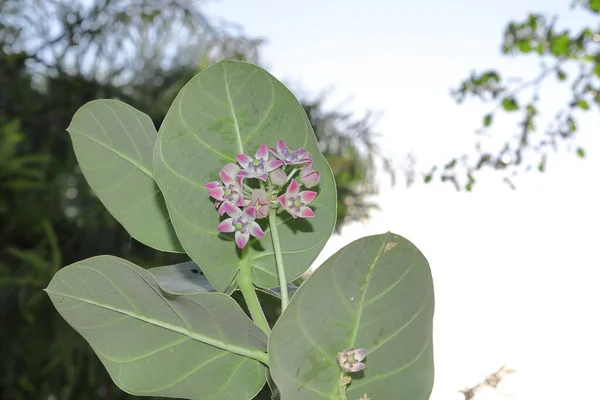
[
  {"x": 363, "y": 289},
  {"x": 235, "y": 121},
  {"x": 125, "y": 157},
  {"x": 254, "y": 354}
]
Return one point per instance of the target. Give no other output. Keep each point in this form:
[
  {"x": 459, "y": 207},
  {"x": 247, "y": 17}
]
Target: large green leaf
[
  {"x": 113, "y": 143},
  {"x": 377, "y": 294},
  {"x": 230, "y": 108},
  {"x": 198, "y": 346}
]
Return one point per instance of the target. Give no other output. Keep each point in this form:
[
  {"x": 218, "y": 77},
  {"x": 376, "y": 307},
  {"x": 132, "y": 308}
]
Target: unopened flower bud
[
  {"x": 309, "y": 177},
  {"x": 278, "y": 177}
]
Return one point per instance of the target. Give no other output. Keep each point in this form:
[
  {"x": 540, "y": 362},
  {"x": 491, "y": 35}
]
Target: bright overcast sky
[{"x": 515, "y": 272}]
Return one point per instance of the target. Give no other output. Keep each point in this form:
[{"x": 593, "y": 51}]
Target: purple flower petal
[
  {"x": 281, "y": 147},
  {"x": 226, "y": 226},
  {"x": 231, "y": 210},
  {"x": 307, "y": 196},
  {"x": 250, "y": 213},
  {"x": 262, "y": 152},
  {"x": 360, "y": 354},
  {"x": 244, "y": 160},
  {"x": 272, "y": 164},
  {"x": 229, "y": 174},
  {"x": 241, "y": 239},
  {"x": 217, "y": 193},
  {"x": 282, "y": 200},
  {"x": 212, "y": 185},
  {"x": 354, "y": 367},
  {"x": 292, "y": 190},
  {"x": 306, "y": 212},
  {"x": 222, "y": 209},
  {"x": 255, "y": 230}
]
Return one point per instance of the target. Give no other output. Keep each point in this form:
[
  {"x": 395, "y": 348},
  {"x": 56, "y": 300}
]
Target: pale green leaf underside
[
  {"x": 376, "y": 294},
  {"x": 182, "y": 278},
  {"x": 113, "y": 143},
  {"x": 230, "y": 108},
  {"x": 196, "y": 346}
]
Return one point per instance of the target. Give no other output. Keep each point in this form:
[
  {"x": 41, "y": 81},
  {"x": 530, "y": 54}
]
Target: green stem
[
  {"x": 278, "y": 259},
  {"x": 247, "y": 289},
  {"x": 292, "y": 174}
]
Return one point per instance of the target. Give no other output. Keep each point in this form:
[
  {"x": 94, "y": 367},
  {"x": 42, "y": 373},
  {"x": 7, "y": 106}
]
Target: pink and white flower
[
  {"x": 229, "y": 189},
  {"x": 350, "y": 360},
  {"x": 259, "y": 166},
  {"x": 242, "y": 223},
  {"x": 285, "y": 154},
  {"x": 296, "y": 202},
  {"x": 260, "y": 203}
]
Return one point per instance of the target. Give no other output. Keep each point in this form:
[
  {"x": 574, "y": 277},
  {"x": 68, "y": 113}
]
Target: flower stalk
[
  {"x": 278, "y": 259},
  {"x": 249, "y": 293}
]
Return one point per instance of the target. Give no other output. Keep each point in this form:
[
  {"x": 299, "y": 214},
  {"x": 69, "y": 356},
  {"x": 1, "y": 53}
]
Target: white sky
[{"x": 515, "y": 272}]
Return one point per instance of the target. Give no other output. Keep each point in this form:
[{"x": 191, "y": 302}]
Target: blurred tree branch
[
  {"x": 571, "y": 56},
  {"x": 491, "y": 381}
]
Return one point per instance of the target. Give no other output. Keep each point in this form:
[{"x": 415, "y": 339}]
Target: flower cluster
[{"x": 248, "y": 189}]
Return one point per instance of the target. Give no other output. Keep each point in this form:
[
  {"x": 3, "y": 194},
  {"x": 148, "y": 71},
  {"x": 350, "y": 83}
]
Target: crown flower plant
[{"x": 253, "y": 218}]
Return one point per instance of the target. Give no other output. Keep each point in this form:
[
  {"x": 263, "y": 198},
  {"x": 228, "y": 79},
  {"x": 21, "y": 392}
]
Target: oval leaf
[
  {"x": 155, "y": 344},
  {"x": 113, "y": 143},
  {"x": 377, "y": 294},
  {"x": 227, "y": 109}
]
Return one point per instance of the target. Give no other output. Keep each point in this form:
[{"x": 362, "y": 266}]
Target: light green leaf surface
[
  {"x": 197, "y": 346},
  {"x": 183, "y": 278},
  {"x": 113, "y": 143},
  {"x": 377, "y": 294},
  {"x": 230, "y": 108},
  {"x": 186, "y": 278}
]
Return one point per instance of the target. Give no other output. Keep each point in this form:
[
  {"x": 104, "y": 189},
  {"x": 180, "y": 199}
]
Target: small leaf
[
  {"x": 113, "y": 143},
  {"x": 524, "y": 46},
  {"x": 509, "y": 104},
  {"x": 559, "y": 45},
  {"x": 581, "y": 152},
  {"x": 583, "y": 104},
  {"x": 451, "y": 164},
  {"x": 375, "y": 294},
  {"x": 470, "y": 183},
  {"x": 561, "y": 75},
  {"x": 542, "y": 164},
  {"x": 191, "y": 346},
  {"x": 427, "y": 178},
  {"x": 487, "y": 120}
]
